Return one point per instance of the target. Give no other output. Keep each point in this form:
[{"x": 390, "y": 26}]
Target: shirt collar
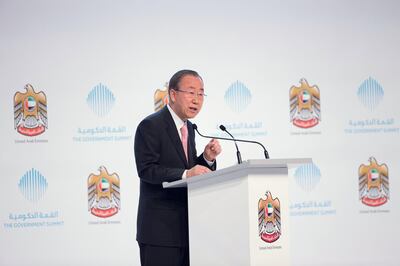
[{"x": 177, "y": 120}]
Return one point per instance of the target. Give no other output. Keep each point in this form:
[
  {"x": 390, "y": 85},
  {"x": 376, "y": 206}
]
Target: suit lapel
[{"x": 174, "y": 136}]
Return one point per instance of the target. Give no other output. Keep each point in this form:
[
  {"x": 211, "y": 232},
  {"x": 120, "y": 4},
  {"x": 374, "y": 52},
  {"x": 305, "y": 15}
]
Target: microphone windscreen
[
  {"x": 222, "y": 127},
  {"x": 194, "y": 126}
]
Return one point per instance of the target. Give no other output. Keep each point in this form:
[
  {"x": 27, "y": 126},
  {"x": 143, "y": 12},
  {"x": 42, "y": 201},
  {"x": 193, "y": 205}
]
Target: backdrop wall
[{"x": 94, "y": 67}]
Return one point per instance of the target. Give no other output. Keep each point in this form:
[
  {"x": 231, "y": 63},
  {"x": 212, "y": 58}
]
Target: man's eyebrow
[{"x": 202, "y": 89}]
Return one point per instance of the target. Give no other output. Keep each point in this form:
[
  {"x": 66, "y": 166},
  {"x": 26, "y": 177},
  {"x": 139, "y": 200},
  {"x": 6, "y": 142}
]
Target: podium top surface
[{"x": 249, "y": 164}]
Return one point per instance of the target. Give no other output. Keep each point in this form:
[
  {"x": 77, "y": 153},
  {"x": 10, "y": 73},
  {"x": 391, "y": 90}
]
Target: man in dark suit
[{"x": 165, "y": 150}]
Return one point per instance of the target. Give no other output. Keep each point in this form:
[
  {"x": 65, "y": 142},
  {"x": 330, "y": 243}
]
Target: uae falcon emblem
[
  {"x": 103, "y": 193},
  {"x": 305, "y": 107},
  {"x": 373, "y": 183},
  {"x": 161, "y": 98},
  {"x": 269, "y": 218},
  {"x": 30, "y": 112}
]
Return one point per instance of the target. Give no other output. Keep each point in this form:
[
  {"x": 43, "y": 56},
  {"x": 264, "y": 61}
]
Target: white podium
[{"x": 240, "y": 215}]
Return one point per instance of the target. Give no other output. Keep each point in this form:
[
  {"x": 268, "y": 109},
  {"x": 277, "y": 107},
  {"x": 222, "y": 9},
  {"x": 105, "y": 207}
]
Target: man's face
[{"x": 188, "y": 99}]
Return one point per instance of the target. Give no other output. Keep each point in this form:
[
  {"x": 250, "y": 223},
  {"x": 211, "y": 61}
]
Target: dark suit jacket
[{"x": 163, "y": 213}]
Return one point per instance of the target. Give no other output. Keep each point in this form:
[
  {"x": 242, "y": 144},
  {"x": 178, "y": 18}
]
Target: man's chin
[{"x": 191, "y": 115}]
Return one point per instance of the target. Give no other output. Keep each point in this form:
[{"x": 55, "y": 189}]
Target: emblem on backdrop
[
  {"x": 33, "y": 185},
  {"x": 238, "y": 97},
  {"x": 161, "y": 98},
  {"x": 370, "y": 93},
  {"x": 307, "y": 176},
  {"x": 100, "y": 100},
  {"x": 269, "y": 218},
  {"x": 373, "y": 183},
  {"x": 103, "y": 193},
  {"x": 30, "y": 112},
  {"x": 305, "y": 107}
]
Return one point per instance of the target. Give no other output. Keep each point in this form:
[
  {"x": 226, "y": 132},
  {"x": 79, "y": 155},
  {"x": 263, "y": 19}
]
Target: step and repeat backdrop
[{"x": 313, "y": 79}]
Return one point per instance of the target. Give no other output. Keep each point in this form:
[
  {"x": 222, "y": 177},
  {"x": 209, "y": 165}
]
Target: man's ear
[{"x": 172, "y": 96}]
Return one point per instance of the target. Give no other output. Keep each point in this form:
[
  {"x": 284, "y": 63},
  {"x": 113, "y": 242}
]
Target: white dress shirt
[{"x": 179, "y": 123}]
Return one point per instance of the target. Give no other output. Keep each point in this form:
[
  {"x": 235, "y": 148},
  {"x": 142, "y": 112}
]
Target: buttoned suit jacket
[{"x": 163, "y": 213}]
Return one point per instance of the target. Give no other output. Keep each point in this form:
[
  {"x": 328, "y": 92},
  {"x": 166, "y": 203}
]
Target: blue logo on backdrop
[
  {"x": 101, "y": 100},
  {"x": 238, "y": 96},
  {"x": 307, "y": 176},
  {"x": 33, "y": 185},
  {"x": 370, "y": 93}
]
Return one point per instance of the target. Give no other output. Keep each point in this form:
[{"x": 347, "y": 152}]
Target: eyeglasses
[{"x": 193, "y": 94}]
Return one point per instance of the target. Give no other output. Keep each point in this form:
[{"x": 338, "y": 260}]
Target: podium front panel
[
  {"x": 218, "y": 222},
  {"x": 269, "y": 230},
  {"x": 233, "y": 221}
]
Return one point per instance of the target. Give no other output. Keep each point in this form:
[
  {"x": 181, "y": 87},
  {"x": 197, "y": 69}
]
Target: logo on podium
[
  {"x": 305, "y": 108},
  {"x": 30, "y": 112},
  {"x": 161, "y": 98},
  {"x": 373, "y": 183},
  {"x": 103, "y": 193},
  {"x": 269, "y": 218}
]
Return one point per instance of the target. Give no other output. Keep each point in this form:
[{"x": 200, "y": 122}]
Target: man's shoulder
[{"x": 157, "y": 118}]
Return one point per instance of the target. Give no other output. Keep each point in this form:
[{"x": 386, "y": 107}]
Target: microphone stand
[{"x": 238, "y": 155}]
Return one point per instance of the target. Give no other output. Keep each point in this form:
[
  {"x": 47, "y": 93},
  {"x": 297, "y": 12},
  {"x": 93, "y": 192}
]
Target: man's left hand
[{"x": 212, "y": 150}]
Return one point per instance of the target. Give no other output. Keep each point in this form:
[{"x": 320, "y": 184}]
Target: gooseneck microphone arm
[
  {"x": 223, "y": 128},
  {"x": 208, "y": 137},
  {"x": 211, "y": 137},
  {"x": 240, "y": 140},
  {"x": 238, "y": 155}
]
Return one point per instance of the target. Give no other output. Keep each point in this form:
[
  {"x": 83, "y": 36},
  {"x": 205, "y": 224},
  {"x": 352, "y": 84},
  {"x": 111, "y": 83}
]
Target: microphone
[
  {"x": 238, "y": 155},
  {"x": 266, "y": 155}
]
